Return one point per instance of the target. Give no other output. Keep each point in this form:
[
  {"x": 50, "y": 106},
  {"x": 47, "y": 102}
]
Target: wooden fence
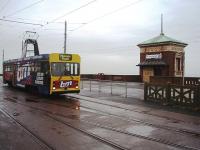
[
  {"x": 175, "y": 80},
  {"x": 187, "y": 95}
]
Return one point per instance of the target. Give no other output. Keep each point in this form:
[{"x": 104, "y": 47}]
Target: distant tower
[{"x": 161, "y": 56}]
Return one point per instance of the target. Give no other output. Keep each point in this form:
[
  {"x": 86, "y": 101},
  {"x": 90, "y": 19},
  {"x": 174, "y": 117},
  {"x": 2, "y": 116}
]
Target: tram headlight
[
  {"x": 76, "y": 87},
  {"x": 54, "y": 88}
]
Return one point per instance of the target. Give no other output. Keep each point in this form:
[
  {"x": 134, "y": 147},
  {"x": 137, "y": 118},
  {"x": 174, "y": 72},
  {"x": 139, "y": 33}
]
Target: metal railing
[{"x": 119, "y": 88}]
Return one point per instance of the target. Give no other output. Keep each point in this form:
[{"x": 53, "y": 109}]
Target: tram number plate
[{"x": 64, "y": 84}]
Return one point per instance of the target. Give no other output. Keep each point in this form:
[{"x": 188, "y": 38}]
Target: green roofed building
[
  {"x": 161, "y": 56},
  {"x": 161, "y": 40}
]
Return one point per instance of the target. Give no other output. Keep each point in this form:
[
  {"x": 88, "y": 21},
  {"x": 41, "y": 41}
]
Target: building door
[
  {"x": 157, "y": 71},
  {"x": 147, "y": 72}
]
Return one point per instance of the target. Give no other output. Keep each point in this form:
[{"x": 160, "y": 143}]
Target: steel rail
[
  {"x": 46, "y": 113},
  {"x": 113, "y": 129},
  {"x": 37, "y": 139},
  {"x": 183, "y": 131},
  {"x": 137, "y": 120}
]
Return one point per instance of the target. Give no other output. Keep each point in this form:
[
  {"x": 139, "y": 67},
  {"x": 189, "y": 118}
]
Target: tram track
[
  {"x": 182, "y": 131},
  {"x": 127, "y": 109},
  {"x": 44, "y": 145},
  {"x": 196, "y": 134},
  {"x": 46, "y": 113},
  {"x": 122, "y": 132},
  {"x": 53, "y": 116}
]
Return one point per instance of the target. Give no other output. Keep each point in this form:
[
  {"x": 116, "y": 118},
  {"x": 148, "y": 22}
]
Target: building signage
[
  {"x": 154, "y": 56},
  {"x": 65, "y": 57}
]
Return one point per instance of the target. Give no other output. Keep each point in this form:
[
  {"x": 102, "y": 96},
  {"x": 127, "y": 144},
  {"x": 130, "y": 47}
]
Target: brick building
[{"x": 161, "y": 56}]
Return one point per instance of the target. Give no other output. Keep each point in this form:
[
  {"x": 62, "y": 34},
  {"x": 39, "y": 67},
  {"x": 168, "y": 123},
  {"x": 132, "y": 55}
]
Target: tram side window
[
  {"x": 44, "y": 67},
  {"x": 37, "y": 67},
  {"x": 8, "y": 68}
]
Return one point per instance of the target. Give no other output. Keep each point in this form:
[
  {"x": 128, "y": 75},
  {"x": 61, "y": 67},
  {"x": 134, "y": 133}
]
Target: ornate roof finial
[{"x": 161, "y": 33}]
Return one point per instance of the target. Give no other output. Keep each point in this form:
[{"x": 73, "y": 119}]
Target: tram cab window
[{"x": 67, "y": 69}]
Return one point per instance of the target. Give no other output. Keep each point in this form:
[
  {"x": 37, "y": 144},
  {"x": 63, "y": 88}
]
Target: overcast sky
[{"x": 104, "y": 32}]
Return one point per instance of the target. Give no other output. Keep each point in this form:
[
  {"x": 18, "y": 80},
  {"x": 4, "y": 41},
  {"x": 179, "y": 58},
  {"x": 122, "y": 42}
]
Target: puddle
[
  {"x": 10, "y": 99},
  {"x": 82, "y": 116},
  {"x": 73, "y": 117},
  {"x": 16, "y": 114},
  {"x": 32, "y": 100},
  {"x": 15, "y": 97},
  {"x": 141, "y": 130}
]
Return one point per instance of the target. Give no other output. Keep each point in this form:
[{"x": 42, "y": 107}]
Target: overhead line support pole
[{"x": 65, "y": 38}]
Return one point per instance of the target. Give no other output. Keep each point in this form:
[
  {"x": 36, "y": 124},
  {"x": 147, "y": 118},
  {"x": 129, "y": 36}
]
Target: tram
[{"x": 49, "y": 74}]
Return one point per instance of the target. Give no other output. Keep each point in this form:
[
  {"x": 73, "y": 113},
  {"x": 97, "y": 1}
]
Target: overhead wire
[
  {"x": 28, "y": 23},
  {"x": 68, "y": 13},
  {"x": 72, "y": 11},
  {"x": 109, "y": 13},
  {"x": 52, "y": 21},
  {"x": 22, "y": 9},
  {"x": 27, "y": 19}
]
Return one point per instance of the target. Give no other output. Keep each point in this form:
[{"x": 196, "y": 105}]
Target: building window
[{"x": 178, "y": 64}]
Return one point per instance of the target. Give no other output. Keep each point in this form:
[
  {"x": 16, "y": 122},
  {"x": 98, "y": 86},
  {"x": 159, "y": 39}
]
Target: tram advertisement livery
[{"x": 47, "y": 73}]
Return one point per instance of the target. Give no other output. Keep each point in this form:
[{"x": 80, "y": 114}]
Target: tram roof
[{"x": 38, "y": 57}]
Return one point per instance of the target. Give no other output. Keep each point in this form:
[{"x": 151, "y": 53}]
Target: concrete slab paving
[
  {"x": 99, "y": 113},
  {"x": 14, "y": 137}
]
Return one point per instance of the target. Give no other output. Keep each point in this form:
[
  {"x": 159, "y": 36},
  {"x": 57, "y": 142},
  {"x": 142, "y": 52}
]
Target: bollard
[
  {"x": 111, "y": 87},
  {"x": 99, "y": 86},
  {"x": 145, "y": 91},
  {"x": 90, "y": 85},
  {"x": 82, "y": 84},
  {"x": 126, "y": 89}
]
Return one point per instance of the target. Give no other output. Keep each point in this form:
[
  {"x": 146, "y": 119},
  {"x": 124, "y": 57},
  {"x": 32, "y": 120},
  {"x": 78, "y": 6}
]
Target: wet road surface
[{"x": 80, "y": 122}]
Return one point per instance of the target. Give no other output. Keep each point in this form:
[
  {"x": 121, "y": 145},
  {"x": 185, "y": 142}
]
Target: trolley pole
[{"x": 65, "y": 37}]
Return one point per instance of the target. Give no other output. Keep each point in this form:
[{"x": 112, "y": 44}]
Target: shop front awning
[{"x": 152, "y": 62}]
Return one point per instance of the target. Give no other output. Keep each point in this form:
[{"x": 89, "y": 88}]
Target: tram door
[{"x": 147, "y": 72}]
